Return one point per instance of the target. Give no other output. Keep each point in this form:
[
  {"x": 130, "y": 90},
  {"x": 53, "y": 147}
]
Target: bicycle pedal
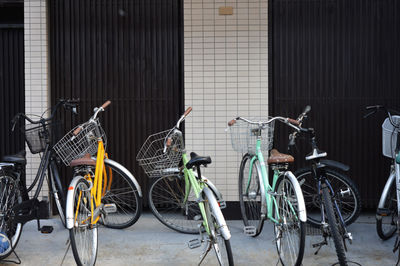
[
  {"x": 197, "y": 217},
  {"x": 250, "y": 230},
  {"x": 110, "y": 208},
  {"x": 46, "y": 229},
  {"x": 194, "y": 243},
  {"x": 222, "y": 204},
  {"x": 383, "y": 212}
]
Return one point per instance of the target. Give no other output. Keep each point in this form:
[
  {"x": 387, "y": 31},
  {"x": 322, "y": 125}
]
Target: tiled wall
[
  {"x": 36, "y": 79},
  {"x": 225, "y": 76}
]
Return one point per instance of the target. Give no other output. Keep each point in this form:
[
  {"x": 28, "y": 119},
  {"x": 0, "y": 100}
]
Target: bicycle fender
[
  {"x": 69, "y": 208},
  {"x": 389, "y": 182},
  {"x": 126, "y": 171},
  {"x": 301, "y": 204},
  {"x": 211, "y": 186},
  {"x": 335, "y": 164},
  {"x": 216, "y": 210}
]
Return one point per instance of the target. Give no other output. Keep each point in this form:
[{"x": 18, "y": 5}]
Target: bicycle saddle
[
  {"x": 18, "y": 158},
  {"x": 196, "y": 160},
  {"x": 277, "y": 157},
  {"x": 85, "y": 160}
]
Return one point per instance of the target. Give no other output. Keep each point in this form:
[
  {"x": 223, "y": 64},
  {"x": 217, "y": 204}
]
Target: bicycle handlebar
[
  {"x": 68, "y": 104},
  {"x": 376, "y": 108}
]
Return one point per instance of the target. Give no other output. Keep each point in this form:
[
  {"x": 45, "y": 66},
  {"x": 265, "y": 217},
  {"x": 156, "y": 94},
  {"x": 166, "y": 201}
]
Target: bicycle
[
  {"x": 101, "y": 191},
  {"x": 387, "y": 213},
  {"x": 345, "y": 190},
  {"x": 16, "y": 206},
  {"x": 176, "y": 190},
  {"x": 282, "y": 201},
  {"x": 327, "y": 196}
]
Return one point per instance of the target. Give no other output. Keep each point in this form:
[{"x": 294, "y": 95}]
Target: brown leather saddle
[{"x": 279, "y": 158}]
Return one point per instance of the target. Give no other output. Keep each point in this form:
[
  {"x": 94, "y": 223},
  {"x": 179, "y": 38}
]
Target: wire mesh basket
[
  {"x": 38, "y": 135},
  {"x": 72, "y": 147},
  {"x": 151, "y": 156},
  {"x": 244, "y": 136},
  {"x": 389, "y": 136}
]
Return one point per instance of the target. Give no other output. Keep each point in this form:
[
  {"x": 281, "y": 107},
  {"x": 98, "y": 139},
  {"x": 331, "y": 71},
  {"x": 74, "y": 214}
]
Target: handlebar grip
[
  {"x": 293, "y": 121},
  {"x": 76, "y": 131},
  {"x": 107, "y": 103},
  {"x": 232, "y": 122},
  {"x": 307, "y": 109},
  {"x": 187, "y": 111}
]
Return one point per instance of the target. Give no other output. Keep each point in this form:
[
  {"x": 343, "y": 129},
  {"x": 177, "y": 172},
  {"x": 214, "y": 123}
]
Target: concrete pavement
[{"x": 149, "y": 242}]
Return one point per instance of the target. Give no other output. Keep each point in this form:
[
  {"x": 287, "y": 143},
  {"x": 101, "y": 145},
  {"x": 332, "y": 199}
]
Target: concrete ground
[{"x": 148, "y": 242}]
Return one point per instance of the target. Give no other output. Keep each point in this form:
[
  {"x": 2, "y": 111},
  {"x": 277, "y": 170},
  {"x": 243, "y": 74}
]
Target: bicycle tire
[
  {"x": 221, "y": 246},
  {"x": 123, "y": 193},
  {"x": 350, "y": 204},
  {"x": 286, "y": 205},
  {"x": 250, "y": 206},
  {"x": 334, "y": 225},
  {"x": 166, "y": 195},
  {"x": 83, "y": 236},
  {"x": 6, "y": 180},
  {"x": 390, "y": 203}
]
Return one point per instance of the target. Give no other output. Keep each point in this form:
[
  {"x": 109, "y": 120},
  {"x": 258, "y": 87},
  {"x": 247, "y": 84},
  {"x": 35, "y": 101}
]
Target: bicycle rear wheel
[
  {"x": 346, "y": 194},
  {"x": 250, "y": 194},
  {"x": 335, "y": 228},
  {"x": 83, "y": 235},
  {"x": 386, "y": 225},
  {"x": 121, "y": 191},
  {"x": 166, "y": 200},
  {"x": 9, "y": 197},
  {"x": 290, "y": 232}
]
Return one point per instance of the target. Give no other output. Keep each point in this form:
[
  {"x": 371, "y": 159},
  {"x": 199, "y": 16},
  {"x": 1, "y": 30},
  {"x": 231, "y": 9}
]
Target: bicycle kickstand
[{"x": 205, "y": 252}]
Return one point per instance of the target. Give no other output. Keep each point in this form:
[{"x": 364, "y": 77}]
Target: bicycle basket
[
  {"x": 37, "y": 135},
  {"x": 151, "y": 156},
  {"x": 72, "y": 147},
  {"x": 389, "y": 136},
  {"x": 244, "y": 137}
]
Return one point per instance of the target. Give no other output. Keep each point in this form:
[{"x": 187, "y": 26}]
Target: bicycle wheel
[
  {"x": 290, "y": 232},
  {"x": 386, "y": 226},
  {"x": 121, "y": 191},
  {"x": 83, "y": 235},
  {"x": 166, "y": 200},
  {"x": 57, "y": 192},
  {"x": 335, "y": 227},
  {"x": 250, "y": 194},
  {"x": 346, "y": 194},
  {"x": 222, "y": 247},
  {"x": 9, "y": 197}
]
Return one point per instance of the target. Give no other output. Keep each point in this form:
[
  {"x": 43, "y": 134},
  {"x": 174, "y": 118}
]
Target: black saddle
[
  {"x": 18, "y": 158},
  {"x": 196, "y": 160}
]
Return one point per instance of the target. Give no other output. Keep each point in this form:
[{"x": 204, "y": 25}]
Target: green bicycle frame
[
  {"x": 192, "y": 182},
  {"x": 269, "y": 190}
]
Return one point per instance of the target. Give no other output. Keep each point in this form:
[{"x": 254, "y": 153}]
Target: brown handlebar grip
[
  {"x": 169, "y": 142},
  {"x": 107, "y": 103},
  {"x": 76, "y": 131},
  {"x": 232, "y": 122},
  {"x": 293, "y": 121},
  {"x": 187, "y": 111}
]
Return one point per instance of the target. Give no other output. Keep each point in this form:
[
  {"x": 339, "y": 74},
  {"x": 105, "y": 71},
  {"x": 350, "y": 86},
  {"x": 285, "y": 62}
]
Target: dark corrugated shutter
[
  {"x": 339, "y": 56},
  {"x": 129, "y": 52},
  {"x": 12, "y": 92}
]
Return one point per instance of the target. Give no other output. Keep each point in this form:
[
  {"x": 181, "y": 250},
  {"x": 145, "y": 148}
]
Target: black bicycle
[
  {"x": 16, "y": 206},
  {"x": 331, "y": 197}
]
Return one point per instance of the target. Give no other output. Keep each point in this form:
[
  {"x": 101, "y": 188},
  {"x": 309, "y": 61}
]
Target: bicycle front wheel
[
  {"x": 167, "y": 202},
  {"x": 346, "y": 194},
  {"x": 10, "y": 195},
  {"x": 83, "y": 235},
  {"x": 290, "y": 231},
  {"x": 386, "y": 225},
  {"x": 120, "y": 190},
  {"x": 250, "y": 196},
  {"x": 334, "y": 225},
  {"x": 221, "y": 246}
]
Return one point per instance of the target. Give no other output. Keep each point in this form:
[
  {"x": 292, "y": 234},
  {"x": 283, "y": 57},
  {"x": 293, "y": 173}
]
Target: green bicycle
[
  {"x": 282, "y": 201},
  {"x": 181, "y": 199}
]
